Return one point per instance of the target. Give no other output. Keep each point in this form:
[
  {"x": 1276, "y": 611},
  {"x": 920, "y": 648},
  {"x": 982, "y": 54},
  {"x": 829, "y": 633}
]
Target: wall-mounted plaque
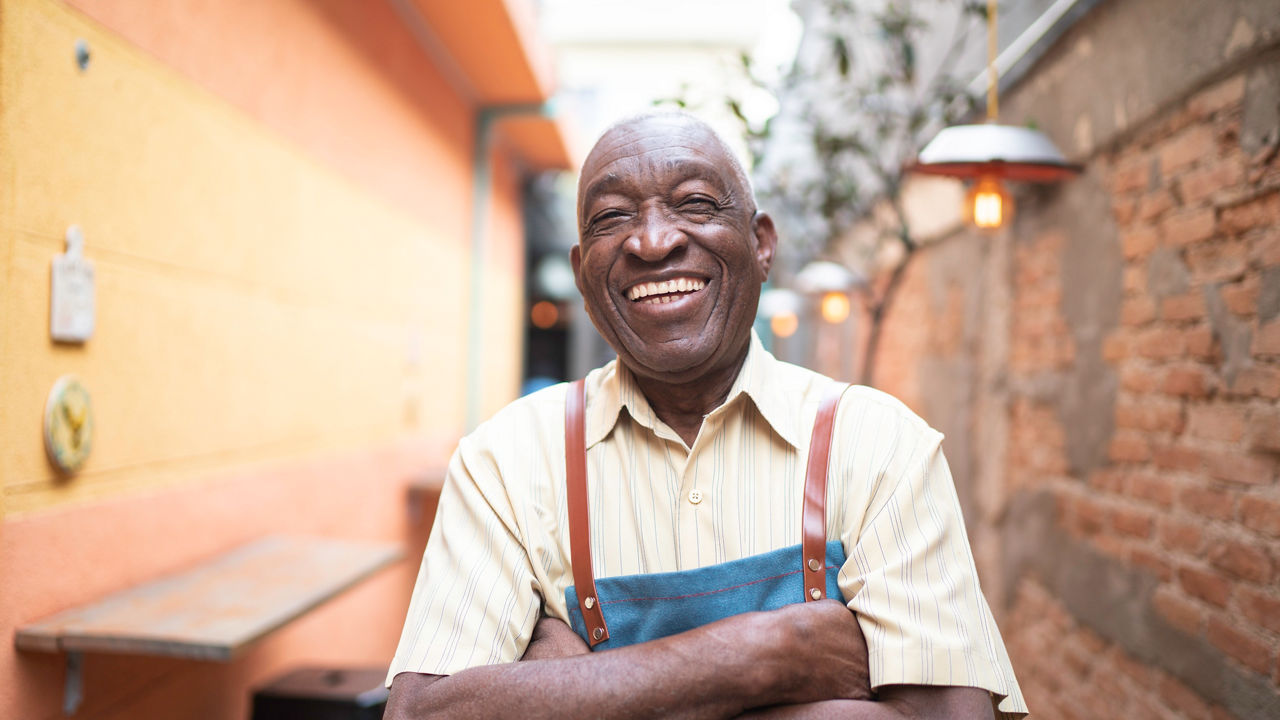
[
  {"x": 68, "y": 424},
  {"x": 71, "y": 303}
]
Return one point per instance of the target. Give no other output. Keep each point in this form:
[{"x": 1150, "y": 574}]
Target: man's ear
[
  {"x": 766, "y": 242},
  {"x": 575, "y": 259}
]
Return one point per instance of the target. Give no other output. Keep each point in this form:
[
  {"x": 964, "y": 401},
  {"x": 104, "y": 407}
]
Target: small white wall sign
[{"x": 71, "y": 305}]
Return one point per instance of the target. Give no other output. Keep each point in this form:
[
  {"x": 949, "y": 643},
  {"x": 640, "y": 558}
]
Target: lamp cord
[{"x": 993, "y": 76}]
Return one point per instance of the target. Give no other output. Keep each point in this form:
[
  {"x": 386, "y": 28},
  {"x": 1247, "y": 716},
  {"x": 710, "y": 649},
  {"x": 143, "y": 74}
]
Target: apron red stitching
[{"x": 709, "y": 592}]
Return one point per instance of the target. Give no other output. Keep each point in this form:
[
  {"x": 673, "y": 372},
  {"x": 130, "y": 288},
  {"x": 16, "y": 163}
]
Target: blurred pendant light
[
  {"x": 834, "y": 307},
  {"x": 781, "y": 307},
  {"x": 989, "y": 153},
  {"x": 832, "y": 283}
]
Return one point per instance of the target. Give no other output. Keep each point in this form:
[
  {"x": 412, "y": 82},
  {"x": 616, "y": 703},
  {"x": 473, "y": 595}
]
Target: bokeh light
[
  {"x": 835, "y": 307},
  {"x": 544, "y": 315}
]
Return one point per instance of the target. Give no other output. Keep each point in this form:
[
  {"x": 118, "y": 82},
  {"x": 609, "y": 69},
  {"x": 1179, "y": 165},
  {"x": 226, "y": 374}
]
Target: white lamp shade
[
  {"x": 823, "y": 276},
  {"x": 1014, "y": 153},
  {"x": 779, "y": 301}
]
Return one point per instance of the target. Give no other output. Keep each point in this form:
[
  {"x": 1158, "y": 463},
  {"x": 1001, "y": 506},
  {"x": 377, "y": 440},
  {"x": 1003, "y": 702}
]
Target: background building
[{"x": 281, "y": 202}]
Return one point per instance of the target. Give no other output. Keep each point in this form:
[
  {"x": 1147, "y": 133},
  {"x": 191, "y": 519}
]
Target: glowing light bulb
[
  {"x": 784, "y": 324},
  {"x": 835, "y": 307},
  {"x": 989, "y": 203}
]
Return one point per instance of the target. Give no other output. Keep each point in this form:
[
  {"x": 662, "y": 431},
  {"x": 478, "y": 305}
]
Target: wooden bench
[{"x": 212, "y": 611}]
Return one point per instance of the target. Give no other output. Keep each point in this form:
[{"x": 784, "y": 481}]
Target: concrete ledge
[{"x": 216, "y": 609}]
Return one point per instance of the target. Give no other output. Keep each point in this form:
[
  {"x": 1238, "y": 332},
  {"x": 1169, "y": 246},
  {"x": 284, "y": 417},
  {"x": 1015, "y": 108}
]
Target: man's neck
[{"x": 682, "y": 406}]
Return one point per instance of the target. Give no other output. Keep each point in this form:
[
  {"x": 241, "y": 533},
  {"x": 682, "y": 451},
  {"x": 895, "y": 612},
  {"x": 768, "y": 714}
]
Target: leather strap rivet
[
  {"x": 814, "y": 565},
  {"x": 815, "y": 593},
  {"x": 597, "y": 633},
  {"x": 590, "y": 602}
]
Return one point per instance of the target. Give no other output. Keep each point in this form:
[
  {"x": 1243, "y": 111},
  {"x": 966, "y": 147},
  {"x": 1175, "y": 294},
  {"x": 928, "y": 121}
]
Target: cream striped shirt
[{"x": 498, "y": 554}]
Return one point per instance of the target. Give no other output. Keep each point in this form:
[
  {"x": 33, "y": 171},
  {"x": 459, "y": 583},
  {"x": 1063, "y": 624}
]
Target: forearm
[
  {"x": 805, "y": 652},
  {"x": 699, "y": 674},
  {"x": 827, "y": 710},
  {"x": 903, "y": 702}
]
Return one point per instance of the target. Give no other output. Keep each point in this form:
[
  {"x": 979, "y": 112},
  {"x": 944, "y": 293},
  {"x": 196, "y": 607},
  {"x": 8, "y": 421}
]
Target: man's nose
[{"x": 656, "y": 237}]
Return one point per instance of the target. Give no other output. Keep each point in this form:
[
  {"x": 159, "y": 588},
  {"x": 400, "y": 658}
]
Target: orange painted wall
[
  {"x": 344, "y": 80},
  {"x": 276, "y": 198},
  {"x": 503, "y": 289}
]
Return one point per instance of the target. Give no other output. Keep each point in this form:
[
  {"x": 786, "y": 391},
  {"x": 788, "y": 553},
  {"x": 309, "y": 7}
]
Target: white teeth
[{"x": 664, "y": 288}]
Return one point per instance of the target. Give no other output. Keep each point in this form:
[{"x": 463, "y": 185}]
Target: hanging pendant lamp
[{"x": 988, "y": 153}]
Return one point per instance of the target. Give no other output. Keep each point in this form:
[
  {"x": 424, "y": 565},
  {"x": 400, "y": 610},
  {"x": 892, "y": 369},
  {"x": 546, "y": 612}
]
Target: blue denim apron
[{"x": 653, "y": 605}]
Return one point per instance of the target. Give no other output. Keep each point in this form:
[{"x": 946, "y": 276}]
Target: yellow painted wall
[
  {"x": 253, "y": 303},
  {"x": 281, "y": 325}
]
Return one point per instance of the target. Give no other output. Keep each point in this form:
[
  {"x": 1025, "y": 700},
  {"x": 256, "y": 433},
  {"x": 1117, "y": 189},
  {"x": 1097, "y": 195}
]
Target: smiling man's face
[{"x": 671, "y": 252}]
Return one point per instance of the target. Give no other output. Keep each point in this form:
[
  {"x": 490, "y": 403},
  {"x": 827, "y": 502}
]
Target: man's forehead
[
  {"x": 672, "y": 165},
  {"x": 656, "y": 131},
  {"x": 664, "y": 143}
]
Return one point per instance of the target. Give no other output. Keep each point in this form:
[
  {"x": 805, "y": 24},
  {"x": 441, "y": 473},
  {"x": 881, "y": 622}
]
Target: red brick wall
[
  {"x": 1184, "y": 495},
  {"x": 1191, "y": 493},
  {"x": 1069, "y": 671}
]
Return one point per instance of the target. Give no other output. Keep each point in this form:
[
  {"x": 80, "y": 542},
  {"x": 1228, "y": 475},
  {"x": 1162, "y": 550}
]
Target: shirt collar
[{"x": 614, "y": 388}]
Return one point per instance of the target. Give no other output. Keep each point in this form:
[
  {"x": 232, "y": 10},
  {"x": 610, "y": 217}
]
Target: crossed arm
[{"x": 807, "y": 660}]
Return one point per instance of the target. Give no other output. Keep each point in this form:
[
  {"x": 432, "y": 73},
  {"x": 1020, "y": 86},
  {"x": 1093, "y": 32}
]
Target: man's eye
[
  {"x": 700, "y": 204},
  {"x": 606, "y": 220}
]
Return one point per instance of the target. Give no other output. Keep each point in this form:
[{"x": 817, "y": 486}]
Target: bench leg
[{"x": 73, "y": 691}]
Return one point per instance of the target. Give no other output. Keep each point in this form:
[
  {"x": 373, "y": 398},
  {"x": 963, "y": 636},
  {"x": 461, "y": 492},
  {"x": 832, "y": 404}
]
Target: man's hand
[{"x": 816, "y": 652}]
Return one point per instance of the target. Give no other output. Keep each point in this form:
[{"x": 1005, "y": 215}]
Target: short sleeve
[
  {"x": 476, "y": 599},
  {"x": 913, "y": 584}
]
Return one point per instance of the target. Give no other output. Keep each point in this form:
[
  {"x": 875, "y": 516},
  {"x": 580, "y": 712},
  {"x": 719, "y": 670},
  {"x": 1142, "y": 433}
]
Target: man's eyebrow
[
  {"x": 600, "y": 187},
  {"x": 698, "y": 169},
  {"x": 688, "y": 168},
  {"x": 685, "y": 167},
  {"x": 692, "y": 165}
]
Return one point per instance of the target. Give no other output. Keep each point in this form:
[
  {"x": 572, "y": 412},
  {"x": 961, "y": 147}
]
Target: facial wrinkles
[
  {"x": 686, "y": 190},
  {"x": 628, "y": 153},
  {"x": 697, "y": 140}
]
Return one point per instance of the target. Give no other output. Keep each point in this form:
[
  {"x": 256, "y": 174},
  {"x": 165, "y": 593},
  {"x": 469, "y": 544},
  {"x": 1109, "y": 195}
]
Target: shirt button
[{"x": 695, "y": 496}]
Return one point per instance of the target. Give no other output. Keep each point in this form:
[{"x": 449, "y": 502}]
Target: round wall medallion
[{"x": 68, "y": 424}]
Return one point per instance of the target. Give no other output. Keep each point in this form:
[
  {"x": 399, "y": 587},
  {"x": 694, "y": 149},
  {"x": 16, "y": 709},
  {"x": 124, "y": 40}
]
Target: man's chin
[
  {"x": 649, "y": 365},
  {"x": 676, "y": 363}
]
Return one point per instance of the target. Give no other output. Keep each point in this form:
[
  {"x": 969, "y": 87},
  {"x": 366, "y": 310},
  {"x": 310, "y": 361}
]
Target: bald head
[{"x": 635, "y": 133}]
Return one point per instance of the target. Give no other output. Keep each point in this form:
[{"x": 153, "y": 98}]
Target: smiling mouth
[{"x": 655, "y": 293}]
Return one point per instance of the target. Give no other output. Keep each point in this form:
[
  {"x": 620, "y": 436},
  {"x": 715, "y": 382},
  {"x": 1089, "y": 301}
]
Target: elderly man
[{"x": 669, "y": 537}]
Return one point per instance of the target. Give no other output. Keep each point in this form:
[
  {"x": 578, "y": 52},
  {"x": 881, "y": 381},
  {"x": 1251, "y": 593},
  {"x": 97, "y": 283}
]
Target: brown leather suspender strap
[
  {"x": 575, "y": 465},
  {"x": 813, "y": 522}
]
